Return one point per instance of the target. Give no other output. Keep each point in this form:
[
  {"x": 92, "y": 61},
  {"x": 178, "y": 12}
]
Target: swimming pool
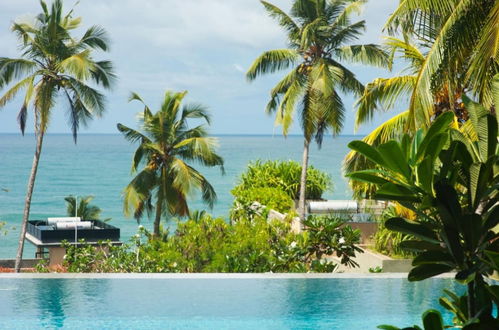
[{"x": 211, "y": 303}]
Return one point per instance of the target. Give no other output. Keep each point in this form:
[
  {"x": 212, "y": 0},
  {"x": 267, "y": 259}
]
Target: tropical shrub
[
  {"x": 284, "y": 175},
  {"x": 450, "y": 180},
  {"x": 212, "y": 245},
  {"x": 267, "y": 198},
  {"x": 327, "y": 235},
  {"x": 272, "y": 198}
]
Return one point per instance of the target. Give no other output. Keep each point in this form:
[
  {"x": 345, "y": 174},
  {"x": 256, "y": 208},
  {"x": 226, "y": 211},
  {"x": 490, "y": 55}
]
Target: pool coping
[{"x": 208, "y": 275}]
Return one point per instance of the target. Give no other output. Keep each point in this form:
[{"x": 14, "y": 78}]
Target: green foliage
[
  {"x": 284, "y": 175},
  {"x": 326, "y": 235},
  {"x": 267, "y": 198},
  {"x": 451, "y": 181},
  {"x": 387, "y": 241},
  {"x": 168, "y": 147},
  {"x": 211, "y": 245},
  {"x": 376, "y": 269},
  {"x": 319, "y": 35},
  {"x": 42, "y": 266},
  {"x": 85, "y": 210},
  {"x": 272, "y": 198}
]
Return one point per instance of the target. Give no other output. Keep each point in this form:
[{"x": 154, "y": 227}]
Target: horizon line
[{"x": 213, "y": 134}]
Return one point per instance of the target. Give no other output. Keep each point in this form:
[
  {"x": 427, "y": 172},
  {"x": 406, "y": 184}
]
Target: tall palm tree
[
  {"x": 167, "y": 146},
  {"x": 54, "y": 64},
  {"x": 462, "y": 36},
  {"x": 318, "y": 33}
]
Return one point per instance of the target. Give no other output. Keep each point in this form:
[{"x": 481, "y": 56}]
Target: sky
[{"x": 202, "y": 46}]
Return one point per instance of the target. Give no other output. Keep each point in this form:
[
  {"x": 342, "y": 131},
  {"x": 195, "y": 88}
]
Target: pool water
[{"x": 333, "y": 303}]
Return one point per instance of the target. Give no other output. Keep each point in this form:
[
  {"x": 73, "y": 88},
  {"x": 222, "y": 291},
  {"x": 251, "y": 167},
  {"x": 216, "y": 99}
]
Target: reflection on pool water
[{"x": 338, "y": 303}]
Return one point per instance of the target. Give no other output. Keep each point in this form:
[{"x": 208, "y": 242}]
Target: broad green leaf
[
  {"x": 433, "y": 257},
  {"x": 394, "y": 158},
  {"x": 425, "y": 175},
  {"x": 432, "y": 320},
  {"x": 448, "y": 204},
  {"x": 367, "y": 177},
  {"x": 396, "y": 192},
  {"x": 367, "y": 151},
  {"x": 412, "y": 228},
  {"x": 423, "y": 272},
  {"x": 439, "y": 126},
  {"x": 418, "y": 246}
]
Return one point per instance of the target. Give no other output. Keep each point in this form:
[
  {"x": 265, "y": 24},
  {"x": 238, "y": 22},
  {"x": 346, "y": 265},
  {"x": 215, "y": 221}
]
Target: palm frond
[
  {"x": 349, "y": 83},
  {"x": 283, "y": 19},
  {"x": 79, "y": 65},
  {"x": 383, "y": 94},
  {"x": 485, "y": 62},
  {"x": 92, "y": 99},
  {"x": 271, "y": 61},
  {"x": 369, "y": 54},
  {"x": 285, "y": 111},
  {"x": 139, "y": 190},
  {"x": 14, "y": 69},
  {"x": 347, "y": 34},
  {"x": 45, "y": 98},
  {"x": 96, "y": 38},
  {"x": 354, "y": 7},
  {"x": 103, "y": 73},
  {"x": 408, "y": 52},
  {"x": 12, "y": 92},
  {"x": 280, "y": 89},
  {"x": 132, "y": 135},
  {"x": 197, "y": 111}
]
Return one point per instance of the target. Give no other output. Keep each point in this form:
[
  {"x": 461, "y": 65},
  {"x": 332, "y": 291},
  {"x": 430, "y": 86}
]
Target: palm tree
[
  {"x": 81, "y": 206},
  {"x": 166, "y": 146},
  {"x": 318, "y": 32},
  {"x": 462, "y": 37},
  {"x": 54, "y": 64}
]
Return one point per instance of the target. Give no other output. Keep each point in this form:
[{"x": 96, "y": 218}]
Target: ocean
[{"x": 99, "y": 165}]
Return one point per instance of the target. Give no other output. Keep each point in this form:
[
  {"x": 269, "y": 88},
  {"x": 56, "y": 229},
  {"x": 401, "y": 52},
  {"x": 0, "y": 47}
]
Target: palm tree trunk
[
  {"x": 157, "y": 219},
  {"x": 303, "y": 180},
  {"x": 27, "y": 203}
]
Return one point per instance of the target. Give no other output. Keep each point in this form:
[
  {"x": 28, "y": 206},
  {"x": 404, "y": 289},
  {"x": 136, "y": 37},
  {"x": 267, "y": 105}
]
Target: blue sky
[{"x": 203, "y": 46}]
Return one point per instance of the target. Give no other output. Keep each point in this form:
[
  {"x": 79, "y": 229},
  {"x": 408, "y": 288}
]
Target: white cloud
[{"x": 203, "y": 46}]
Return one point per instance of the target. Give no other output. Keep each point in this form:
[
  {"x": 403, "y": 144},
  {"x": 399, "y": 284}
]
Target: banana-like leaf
[
  {"x": 433, "y": 257},
  {"x": 441, "y": 124},
  {"x": 367, "y": 177},
  {"x": 448, "y": 204},
  {"x": 413, "y": 228},
  {"x": 419, "y": 246},
  {"x": 396, "y": 192},
  {"x": 422, "y": 272},
  {"x": 367, "y": 151},
  {"x": 394, "y": 158}
]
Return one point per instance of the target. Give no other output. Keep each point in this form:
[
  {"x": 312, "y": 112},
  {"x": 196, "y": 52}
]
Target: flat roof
[{"x": 36, "y": 242}]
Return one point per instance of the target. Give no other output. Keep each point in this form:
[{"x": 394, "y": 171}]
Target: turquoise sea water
[
  {"x": 216, "y": 304},
  {"x": 99, "y": 165}
]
